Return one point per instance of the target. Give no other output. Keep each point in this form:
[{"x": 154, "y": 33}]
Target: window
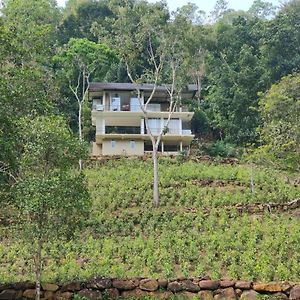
[
  {"x": 132, "y": 144},
  {"x": 113, "y": 144}
]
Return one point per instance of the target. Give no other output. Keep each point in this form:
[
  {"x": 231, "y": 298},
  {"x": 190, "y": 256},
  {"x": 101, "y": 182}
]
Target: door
[{"x": 115, "y": 103}]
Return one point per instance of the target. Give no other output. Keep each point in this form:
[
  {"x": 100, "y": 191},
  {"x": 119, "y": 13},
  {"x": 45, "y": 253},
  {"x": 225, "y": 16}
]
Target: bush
[{"x": 219, "y": 148}]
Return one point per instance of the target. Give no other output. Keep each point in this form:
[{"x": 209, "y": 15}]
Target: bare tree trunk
[
  {"x": 80, "y": 130},
  {"x": 155, "y": 176},
  {"x": 38, "y": 270}
]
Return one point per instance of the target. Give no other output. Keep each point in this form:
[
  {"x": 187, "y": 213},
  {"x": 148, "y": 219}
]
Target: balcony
[
  {"x": 137, "y": 130},
  {"x": 151, "y": 107}
]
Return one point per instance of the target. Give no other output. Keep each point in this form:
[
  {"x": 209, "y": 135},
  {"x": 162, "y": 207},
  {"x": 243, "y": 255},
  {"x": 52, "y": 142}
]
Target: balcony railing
[
  {"x": 154, "y": 130},
  {"x": 135, "y": 108}
]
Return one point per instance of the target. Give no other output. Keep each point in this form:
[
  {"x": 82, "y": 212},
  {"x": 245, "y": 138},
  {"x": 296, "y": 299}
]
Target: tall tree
[
  {"x": 280, "y": 43},
  {"x": 79, "y": 16},
  {"x": 235, "y": 75},
  {"x": 50, "y": 199},
  {"x": 78, "y": 62},
  {"x": 154, "y": 52},
  {"x": 280, "y": 130},
  {"x": 27, "y": 39},
  {"x": 32, "y": 26},
  {"x": 261, "y": 9},
  {"x": 220, "y": 8}
]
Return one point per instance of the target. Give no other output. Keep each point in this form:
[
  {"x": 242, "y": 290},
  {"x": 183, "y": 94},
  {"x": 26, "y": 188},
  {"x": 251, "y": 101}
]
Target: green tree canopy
[{"x": 280, "y": 132}]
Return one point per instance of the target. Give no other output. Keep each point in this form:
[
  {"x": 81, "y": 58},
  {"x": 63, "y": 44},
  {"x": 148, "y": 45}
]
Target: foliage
[
  {"x": 124, "y": 237},
  {"x": 31, "y": 26},
  {"x": 48, "y": 145},
  {"x": 78, "y": 63},
  {"x": 280, "y": 42},
  {"x": 280, "y": 131},
  {"x": 50, "y": 200},
  {"x": 218, "y": 148},
  {"x": 52, "y": 205},
  {"x": 235, "y": 74}
]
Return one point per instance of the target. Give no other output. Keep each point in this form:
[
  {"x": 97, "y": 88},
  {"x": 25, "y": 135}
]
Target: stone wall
[{"x": 182, "y": 288}]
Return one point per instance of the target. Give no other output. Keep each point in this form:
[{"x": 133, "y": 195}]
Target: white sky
[{"x": 203, "y": 5}]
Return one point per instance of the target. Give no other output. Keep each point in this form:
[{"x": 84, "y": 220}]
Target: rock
[
  {"x": 286, "y": 286},
  {"x": 100, "y": 284},
  {"x": 124, "y": 285},
  {"x": 190, "y": 286},
  {"x": 160, "y": 295},
  {"x": 25, "y": 285},
  {"x": 71, "y": 287},
  {"x": 19, "y": 295},
  {"x": 148, "y": 285},
  {"x": 163, "y": 283},
  {"x": 249, "y": 295},
  {"x": 186, "y": 295},
  {"x": 66, "y": 295},
  {"x": 205, "y": 295},
  {"x": 136, "y": 293},
  {"x": 6, "y": 286},
  {"x": 243, "y": 285},
  {"x": 112, "y": 293},
  {"x": 90, "y": 294},
  {"x": 295, "y": 293},
  {"x": 238, "y": 292},
  {"x": 50, "y": 287},
  {"x": 227, "y": 283},
  {"x": 280, "y": 296},
  {"x": 49, "y": 295},
  {"x": 228, "y": 294},
  {"x": 267, "y": 287},
  {"x": 209, "y": 284},
  {"x": 8, "y": 294},
  {"x": 175, "y": 286},
  {"x": 29, "y": 294}
]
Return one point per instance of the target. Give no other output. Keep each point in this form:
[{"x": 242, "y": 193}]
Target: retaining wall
[{"x": 181, "y": 288}]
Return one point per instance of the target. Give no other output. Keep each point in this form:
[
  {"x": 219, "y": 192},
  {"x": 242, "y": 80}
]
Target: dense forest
[{"x": 244, "y": 62}]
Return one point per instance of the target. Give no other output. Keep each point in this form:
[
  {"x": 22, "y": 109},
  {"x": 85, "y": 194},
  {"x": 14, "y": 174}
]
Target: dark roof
[{"x": 116, "y": 86}]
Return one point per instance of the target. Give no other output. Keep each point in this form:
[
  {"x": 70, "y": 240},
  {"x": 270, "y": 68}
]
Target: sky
[{"x": 206, "y": 5}]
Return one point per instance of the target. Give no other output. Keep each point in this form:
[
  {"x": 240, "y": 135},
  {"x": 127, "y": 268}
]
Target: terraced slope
[{"x": 199, "y": 229}]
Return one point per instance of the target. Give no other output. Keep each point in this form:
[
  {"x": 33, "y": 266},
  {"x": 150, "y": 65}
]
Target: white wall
[{"x": 123, "y": 147}]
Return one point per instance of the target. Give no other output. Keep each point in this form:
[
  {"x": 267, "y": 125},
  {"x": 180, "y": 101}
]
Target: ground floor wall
[
  {"x": 123, "y": 147},
  {"x": 183, "y": 288},
  {"x": 136, "y": 147}
]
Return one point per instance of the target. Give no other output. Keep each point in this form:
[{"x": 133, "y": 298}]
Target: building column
[
  {"x": 103, "y": 126},
  {"x": 142, "y": 126},
  {"x": 180, "y": 126},
  {"x": 180, "y": 146},
  {"x": 162, "y": 147}
]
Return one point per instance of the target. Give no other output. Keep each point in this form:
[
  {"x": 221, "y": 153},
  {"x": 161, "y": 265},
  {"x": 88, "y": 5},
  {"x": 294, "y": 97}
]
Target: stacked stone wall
[{"x": 180, "y": 288}]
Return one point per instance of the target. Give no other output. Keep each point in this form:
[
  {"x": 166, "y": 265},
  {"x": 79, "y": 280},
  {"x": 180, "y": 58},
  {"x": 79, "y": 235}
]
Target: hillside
[{"x": 207, "y": 224}]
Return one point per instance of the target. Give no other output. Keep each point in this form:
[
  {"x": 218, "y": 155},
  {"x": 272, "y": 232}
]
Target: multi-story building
[{"x": 120, "y": 124}]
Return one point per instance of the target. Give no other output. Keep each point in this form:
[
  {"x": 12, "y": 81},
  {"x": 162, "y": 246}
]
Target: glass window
[{"x": 132, "y": 144}]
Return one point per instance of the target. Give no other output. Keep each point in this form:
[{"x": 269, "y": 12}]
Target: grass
[{"x": 126, "y": 237}]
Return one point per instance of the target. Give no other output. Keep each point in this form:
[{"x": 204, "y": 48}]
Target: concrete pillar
[
  {"x": 142, "y": 126},
  {"x": 103, "y": 126},
  {"x": 100, "y": 126},
  {"x": 180, "y": 126},
  {"x": 162, "y": 147},
  {"x": 180, "y": 146}
]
